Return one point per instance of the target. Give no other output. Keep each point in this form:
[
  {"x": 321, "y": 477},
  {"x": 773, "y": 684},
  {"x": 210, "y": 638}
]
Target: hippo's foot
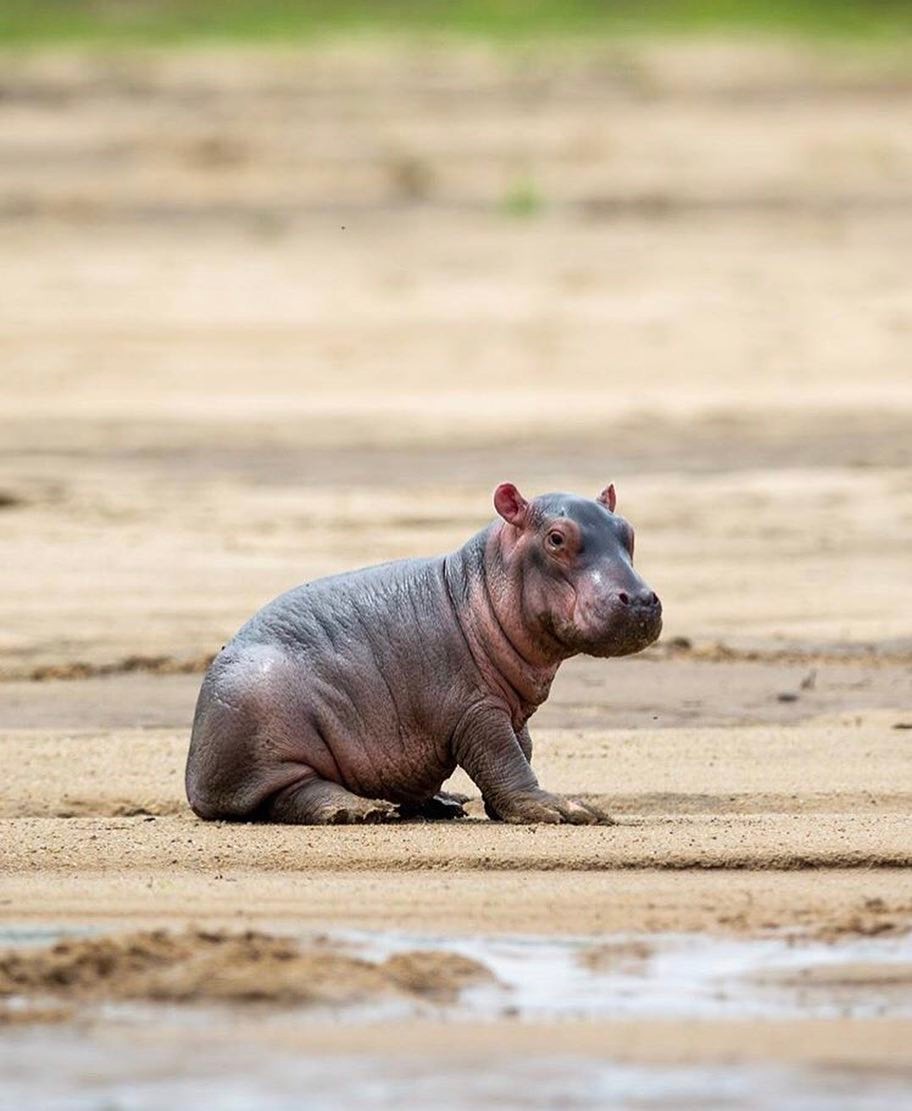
[
  {"x": 318, "y": 802},
  {"x": 361, "y": 811},
  {"x": 528, "y": 807},
  {"x": 442, "y": 807}
]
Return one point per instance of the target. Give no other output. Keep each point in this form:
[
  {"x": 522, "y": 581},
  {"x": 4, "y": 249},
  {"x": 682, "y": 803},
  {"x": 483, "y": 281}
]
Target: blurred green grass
[{"x": 142, "y": 22}]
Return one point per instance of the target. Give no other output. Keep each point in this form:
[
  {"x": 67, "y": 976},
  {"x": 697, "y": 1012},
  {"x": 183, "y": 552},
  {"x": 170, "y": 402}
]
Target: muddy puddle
[
  {"x": 163, "y": 1018},
  {"x": 364, "y": 976},
  {"x": 682, "y": 976}
]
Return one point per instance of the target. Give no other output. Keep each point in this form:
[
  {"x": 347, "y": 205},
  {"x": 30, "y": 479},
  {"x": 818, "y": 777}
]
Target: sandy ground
[
  {"x": 267, "y": 318},
  {"x": 720, "y": 822}
]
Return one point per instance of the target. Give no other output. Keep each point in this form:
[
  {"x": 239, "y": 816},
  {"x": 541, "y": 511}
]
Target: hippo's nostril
[
  {"x": 644, "y": 600},
  {"x": 624, "y": 599}
]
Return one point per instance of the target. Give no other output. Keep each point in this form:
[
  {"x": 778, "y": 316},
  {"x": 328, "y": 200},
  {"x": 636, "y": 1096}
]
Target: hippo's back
[{"x": 332, "y": 612}]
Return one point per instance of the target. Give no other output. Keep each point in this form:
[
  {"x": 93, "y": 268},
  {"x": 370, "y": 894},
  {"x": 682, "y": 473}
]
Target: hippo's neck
[{"x": 488, "y": 605}]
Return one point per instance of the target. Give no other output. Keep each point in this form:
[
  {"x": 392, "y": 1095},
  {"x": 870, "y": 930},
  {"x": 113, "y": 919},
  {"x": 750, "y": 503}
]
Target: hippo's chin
[{"x": 620, "y": 640}]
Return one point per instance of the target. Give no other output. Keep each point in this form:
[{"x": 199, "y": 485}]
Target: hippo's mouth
[
  {"x": 635, "y": 640},
  {"x": 631, "y": 637},
  {"x": 618, "y": 636}
]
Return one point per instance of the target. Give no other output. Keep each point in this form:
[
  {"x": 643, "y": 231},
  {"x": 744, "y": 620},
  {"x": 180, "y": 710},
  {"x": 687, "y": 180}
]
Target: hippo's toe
[
  {"x": 530, "y": 807},
  {"x": 361, "y": 811}
]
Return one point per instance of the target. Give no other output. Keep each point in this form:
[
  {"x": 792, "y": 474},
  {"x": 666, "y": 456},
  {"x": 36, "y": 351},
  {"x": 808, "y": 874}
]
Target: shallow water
[
  {"x": 108, "y": 1057},
  {"x": 66, "y": 1069},
  {"x": 617, "y": 976},
  {"x": 670, "y": 975}
]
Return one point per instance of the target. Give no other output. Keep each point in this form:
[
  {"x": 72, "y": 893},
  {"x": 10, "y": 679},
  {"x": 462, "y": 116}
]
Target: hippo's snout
[
  {"x": 634, "y": 622},
  {"x": 618, "y": 622}
]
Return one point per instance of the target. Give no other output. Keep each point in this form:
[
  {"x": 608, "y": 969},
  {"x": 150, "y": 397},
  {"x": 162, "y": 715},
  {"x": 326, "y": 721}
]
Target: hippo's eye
[{"x": 555, "y": 539}]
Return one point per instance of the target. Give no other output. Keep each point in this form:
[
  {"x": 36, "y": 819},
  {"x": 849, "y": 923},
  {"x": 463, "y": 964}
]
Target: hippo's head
[{"x": 574, "y": 558}]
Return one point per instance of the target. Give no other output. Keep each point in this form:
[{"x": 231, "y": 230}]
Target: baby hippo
[{"x": 352, "y": 698}]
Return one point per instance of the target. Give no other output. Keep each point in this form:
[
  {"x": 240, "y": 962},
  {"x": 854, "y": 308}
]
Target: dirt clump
[
  {"x": 434, "y": 974},
  {"x": 616, "y": 956},
  {"x": 27, "y": 1016},
  {"x": 844, "y": 985},
  {"x": 201, "y": 966},
  {"x": 874, "y": 917},
  {"x": 891, "y": 975}
]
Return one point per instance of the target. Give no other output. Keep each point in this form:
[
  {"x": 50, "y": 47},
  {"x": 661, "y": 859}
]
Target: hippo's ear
[
  {"x": 510, "y": 504},
  {"x": 608, "y": 497}
]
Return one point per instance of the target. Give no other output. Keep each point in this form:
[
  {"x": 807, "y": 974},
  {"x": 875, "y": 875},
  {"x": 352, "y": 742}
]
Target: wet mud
[{"x": 196, "y": 966}]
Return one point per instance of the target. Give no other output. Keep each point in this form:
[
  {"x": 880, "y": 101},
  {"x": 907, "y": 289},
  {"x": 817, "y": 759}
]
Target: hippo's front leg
[
  {"x": 491, "y": 753},
  {"x": 525, "y": 742}
]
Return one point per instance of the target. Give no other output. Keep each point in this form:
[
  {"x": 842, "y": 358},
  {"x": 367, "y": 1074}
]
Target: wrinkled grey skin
[{"x": 354, "y": 697}]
